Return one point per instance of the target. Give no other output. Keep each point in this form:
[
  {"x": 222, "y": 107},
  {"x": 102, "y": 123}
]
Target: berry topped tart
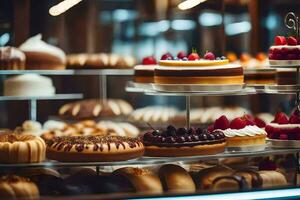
[
  {"x": 194, "y": 69},
  {"x": 284, "y": 131},
  {"x": 144, "y": 73},
  {"x": 242, "y": 133},
  {"x": 183, "y": 142},
  {"x": 285, "y": 51}
]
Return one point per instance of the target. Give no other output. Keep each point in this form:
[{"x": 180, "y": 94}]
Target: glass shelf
[
  {"x": 154, "y": 160},
  {"x": 292, "y": 66},
  {"x": 52, "y": 97},
  {"x": 71, "y": 72},
  {"x": 190, "y": 90}
]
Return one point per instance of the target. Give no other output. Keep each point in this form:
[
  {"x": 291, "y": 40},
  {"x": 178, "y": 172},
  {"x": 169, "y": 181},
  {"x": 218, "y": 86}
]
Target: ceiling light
[
  {"x": 62, "y": 7},
  {"x": 187, "y": 4}
]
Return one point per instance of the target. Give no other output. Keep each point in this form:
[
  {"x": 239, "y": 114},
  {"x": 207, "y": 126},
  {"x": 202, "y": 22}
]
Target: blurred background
[{"x": 141, "y": 28}]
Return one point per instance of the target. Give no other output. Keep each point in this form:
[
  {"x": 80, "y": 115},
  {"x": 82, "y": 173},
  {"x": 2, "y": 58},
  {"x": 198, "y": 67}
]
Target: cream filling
[
  {"x": 145, "y": 67},
  {"x": 286, "y": 126},
  {"x": 285, "y": 46},
  {"x": 247, "y": 131},
  {"x": 227, "y": 66}
]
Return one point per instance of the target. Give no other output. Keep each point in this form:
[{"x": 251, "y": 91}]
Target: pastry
[
  {"x": 286, "y": 77},
  {"x": 229, "y": 183},
  {"x": 94, "y": 148},
  {"x": 31, "y": 127},
  {"x": 286, "y": 51},
  {"x": 90, "y": 127},
  {"x": 241, "y": 132},
  {"x": 252, "y": 177},
  {"x": 204, "y": 179},
  {"x": 266, "y": 76},
  {"x": 284, "y": 128},
  {"x": 11, "y": 59},
  {"x": 42, "y": 56},
  {"x": 182, "y": 142},
  {"x": 193, "y": 70},
  {"x": 28, "y": 85},
  {"x": 143, "y": 180},
  {"x": 176, "y": 179},
  {"x": 144, "y": 73},
  {"x": 21, "y": 148},
  {"x": 93, "y": 108},
  {"x": 16, "y": 187},
  {"x": 271, "y": 179},
  {"x": 153, "y": 115},
  {"x": 99, "y": 61}
]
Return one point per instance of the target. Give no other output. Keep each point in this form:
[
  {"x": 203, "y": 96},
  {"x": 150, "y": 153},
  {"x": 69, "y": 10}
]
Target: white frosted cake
[{"x": 28, "y": 85}]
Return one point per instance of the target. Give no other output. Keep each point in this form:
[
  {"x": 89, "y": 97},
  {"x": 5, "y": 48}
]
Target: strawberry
[
  {"x": 281, "y": 118},
  {"x": 181, "y": 55},
  {"x": 259, "y": 122},
  {"x": 237, "y": 123},
  {"x": 292, "y": 41},
  {"x": 221, "y": 123},
  {"x": 210, "y": 128},
  {"x": 166, "y": 56},
  {"x": 248, "y": 119},
  {"x": 193, "y": 56},
  {"x": 209, "y": 56},
  {"x": 150, "y": 60},
  {"x": 294, "y": 119},
  {"x": 298, "y": 41},
  {"x": 280, "y": 40}
]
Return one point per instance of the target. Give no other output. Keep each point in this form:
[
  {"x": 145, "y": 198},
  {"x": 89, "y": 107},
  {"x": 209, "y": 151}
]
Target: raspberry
[
  {"x": 150, "y": 60},
  {"x": 209, "y": 56},
  {"x": 181, "y": 55},
  {"x": 237, "y": 123},
  {"x": 210, "y": 128},
  {"x": 259, "y": 122},
  {"x": 248, "y": 119},
  {"x": 221, "y": 123},
  {"x": 166, "y": 56},
  {"x": 281, "y": 118},
  {"x": 294, "y": 119},
  {"x": 292, "y": 41},
  {"x": 193, "y": 56},
  {"x": 280, "y": 40}
]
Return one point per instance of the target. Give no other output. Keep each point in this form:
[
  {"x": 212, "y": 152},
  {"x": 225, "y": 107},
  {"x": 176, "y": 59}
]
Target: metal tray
[
  {"x": 295, "y": 144},
  {"x": 245, "y": 149}
]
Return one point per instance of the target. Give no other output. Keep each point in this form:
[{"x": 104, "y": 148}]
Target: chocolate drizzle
[{"x": 82, "y": 142}]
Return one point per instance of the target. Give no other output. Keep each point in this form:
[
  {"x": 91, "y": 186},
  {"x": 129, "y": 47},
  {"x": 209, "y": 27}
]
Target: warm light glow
[
  {"x": 62, "y": 7},
  {"x": 187, "y": 4}
]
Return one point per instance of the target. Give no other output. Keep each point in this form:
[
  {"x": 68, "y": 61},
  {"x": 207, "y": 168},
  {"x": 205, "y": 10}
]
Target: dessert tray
[{"x": 284, "y": 143}]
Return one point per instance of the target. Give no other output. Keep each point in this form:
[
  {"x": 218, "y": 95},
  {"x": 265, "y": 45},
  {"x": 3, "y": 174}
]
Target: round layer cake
[
  {"x": 198, "y": 72},
  {"x": 21, "y": 148},
  {"x": 42, "y": 56},
  {"x": 183, "y": 142},
  {"x": 265, "y": 76},
  {"x": 11, "y": 59},
  {"x": 28, "y": 85},
  {"x": 94, "y": 148}
]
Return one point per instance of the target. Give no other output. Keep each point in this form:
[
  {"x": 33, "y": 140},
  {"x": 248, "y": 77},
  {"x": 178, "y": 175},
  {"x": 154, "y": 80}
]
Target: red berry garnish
[
  {"x": 259, "y": 122},
  {"x": 193, "y": 56},
  {"x": 210, "y": 128},
  {"x": 298, "y": 41},
  {"x": 150, "y": 60},
  {"x": 280, "y": 40},
  {"x": 291, "y": 41},
  {"x": 281, "y": 118},
  {"x": 238, "y": 123},
  {"x": 209, "y": 56},
  {"x": 181, "y": 55},
  {"x": 221, "y": 123},
  {"x": 248, "y": 119},
  {"x": 294, "y": 119},
  {"x": 166, "y": 56}
]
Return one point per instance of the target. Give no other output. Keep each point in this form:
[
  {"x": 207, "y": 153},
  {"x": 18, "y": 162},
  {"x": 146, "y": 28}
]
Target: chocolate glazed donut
[{"x": 94, "y": 148}]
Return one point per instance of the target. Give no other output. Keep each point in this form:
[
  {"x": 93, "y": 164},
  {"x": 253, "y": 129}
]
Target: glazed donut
[
  {"x": 94, "y": 148},
  {"x": 21, "y": 148},
  {"x": 16, "y": 187}
]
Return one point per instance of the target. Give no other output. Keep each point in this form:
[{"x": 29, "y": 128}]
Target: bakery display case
[{"x": 128, "y": 124}]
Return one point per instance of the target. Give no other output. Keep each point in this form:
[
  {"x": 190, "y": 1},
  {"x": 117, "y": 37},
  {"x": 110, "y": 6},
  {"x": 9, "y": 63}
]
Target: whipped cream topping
[
  {"x": 145, "y": 67},
  {"x": 247, "y": 131},
  {"x": 285, "y": 46},
  {"x": 227, "y": 66},
  {"x": 36, "y": 44},
  {"x": 285, "y": 126}
]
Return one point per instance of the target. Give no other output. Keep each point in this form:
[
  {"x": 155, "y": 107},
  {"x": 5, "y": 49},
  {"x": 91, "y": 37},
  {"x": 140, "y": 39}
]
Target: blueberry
[
  {"x": 148, "y": 136},
  {"x": 169, "y": 58},
  {"x": 218, "y": 58},
  {"x": 164, "y": 133},
  {"x": 192, "y": 131},
  {"x": 175, "y": 58},
  {"x": 223, "y": 58},
  {"x": 180, "y": 139},
  {"x": 182, "y": 131},
  {"x": 199, "y": 131},
  {"x": 184, "y": 58},
  {"x": 211, "y": 137},
  {"x": 171, "y": 132},
  {"x": 171, "y": 128},
  {"x": 189, "y": 138},
  {"x": 219, "y": 133},
  {"x": 158, "y": 139},
  {"x": 195, "y": 138},
  {"x": 203, "y": 137},
  {"x": 156, "y": 132},
  {"x": 170, "y": 140}
]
